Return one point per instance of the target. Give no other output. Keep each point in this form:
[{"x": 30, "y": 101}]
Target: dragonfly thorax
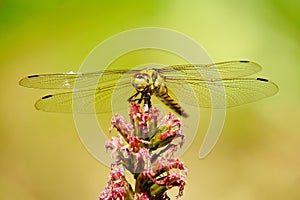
[{"x": 151, "y": 82}]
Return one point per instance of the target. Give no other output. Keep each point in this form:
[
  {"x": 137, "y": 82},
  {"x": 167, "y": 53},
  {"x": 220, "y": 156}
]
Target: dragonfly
[{"x": 228, "y": 79}]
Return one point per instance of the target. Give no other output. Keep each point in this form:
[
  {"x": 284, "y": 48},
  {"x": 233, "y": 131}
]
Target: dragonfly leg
[
  {"x": 133, "y": 96},
  {"x": 145, "y": 98},
  {"x": 138, "y": 100}
]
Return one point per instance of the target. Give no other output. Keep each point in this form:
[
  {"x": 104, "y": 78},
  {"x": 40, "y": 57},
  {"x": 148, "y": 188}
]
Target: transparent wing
[
  {"x": 205, "y": 85},
  {"x": 85, "y": 100},
  {"x": 237, "y": 91},
  {"x": 67, "y": 80},
  {"x": 224, "y": 70},
  {"x": 231, "y": 69}
]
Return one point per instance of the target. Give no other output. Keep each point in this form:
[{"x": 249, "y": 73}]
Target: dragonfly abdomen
[{"x": 171, "y": 103}]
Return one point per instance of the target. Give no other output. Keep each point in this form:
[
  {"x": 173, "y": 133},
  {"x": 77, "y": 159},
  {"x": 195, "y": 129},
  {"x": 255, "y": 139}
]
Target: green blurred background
[{"x": 257, "y": 155}]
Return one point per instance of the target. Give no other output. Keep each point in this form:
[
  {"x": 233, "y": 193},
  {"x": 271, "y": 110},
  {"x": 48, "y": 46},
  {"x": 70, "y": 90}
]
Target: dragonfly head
[{"x": 140, "y": 81}]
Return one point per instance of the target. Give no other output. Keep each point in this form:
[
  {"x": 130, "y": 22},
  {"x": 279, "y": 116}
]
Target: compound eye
[{"x": 139, "y": 76}]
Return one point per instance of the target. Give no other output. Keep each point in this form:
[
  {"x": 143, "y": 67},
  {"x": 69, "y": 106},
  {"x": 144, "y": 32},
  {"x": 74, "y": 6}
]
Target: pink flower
[
  {"x": 141, "y": 196},
  {"x": 121, "y": 125},
  {"x": 144, "y": 148},
  {"x": 169, "y": 128},
  {"x": 117, "y": 187},
  {"x": 172, "y": 126}
]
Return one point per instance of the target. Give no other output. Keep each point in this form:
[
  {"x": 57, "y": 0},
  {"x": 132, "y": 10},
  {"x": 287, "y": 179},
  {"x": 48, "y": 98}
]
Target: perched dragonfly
[{"x": 165, "y": 83}]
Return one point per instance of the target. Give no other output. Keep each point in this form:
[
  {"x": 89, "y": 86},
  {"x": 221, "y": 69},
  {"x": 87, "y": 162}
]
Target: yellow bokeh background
[{"x": 257, "y": 156}]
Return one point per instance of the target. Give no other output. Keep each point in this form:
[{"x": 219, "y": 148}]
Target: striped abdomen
[{"x": 171, "y": 103}]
